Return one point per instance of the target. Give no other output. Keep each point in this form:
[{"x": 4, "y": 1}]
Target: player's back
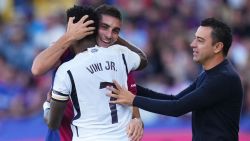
[{"x": 91, "y": 72}]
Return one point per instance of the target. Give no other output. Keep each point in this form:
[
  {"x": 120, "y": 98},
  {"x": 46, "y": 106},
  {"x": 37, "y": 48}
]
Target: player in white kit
[{"x": 84, "y": 79}]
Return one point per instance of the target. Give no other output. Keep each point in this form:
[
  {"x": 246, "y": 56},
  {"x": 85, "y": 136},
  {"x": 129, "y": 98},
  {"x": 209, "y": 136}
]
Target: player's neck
[{"x": 83, "y": 45}]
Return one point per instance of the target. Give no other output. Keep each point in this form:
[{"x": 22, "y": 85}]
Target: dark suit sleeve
[
  {"x": 145, "y": 92},
  {"x": 210, "y": 92}
]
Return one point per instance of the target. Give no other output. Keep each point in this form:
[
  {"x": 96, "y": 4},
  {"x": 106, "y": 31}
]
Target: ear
[{"x": 218, "y": 47}]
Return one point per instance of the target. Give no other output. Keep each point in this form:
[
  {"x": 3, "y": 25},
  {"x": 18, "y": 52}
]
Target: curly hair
[{"x": 79, "y": 11}]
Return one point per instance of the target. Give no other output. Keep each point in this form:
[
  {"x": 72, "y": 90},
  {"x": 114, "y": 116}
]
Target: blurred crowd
[{"x": 162, "y": 28}]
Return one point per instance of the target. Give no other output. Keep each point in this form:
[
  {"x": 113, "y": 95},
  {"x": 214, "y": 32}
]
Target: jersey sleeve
[
  {"x": 62, "y": 85},
  {"x": 131, "y": 84},
  {"x": 133, "y": 59}
]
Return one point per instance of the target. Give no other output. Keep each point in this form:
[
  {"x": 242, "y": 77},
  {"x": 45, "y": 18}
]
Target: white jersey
[{"x": 84, "y": 79}]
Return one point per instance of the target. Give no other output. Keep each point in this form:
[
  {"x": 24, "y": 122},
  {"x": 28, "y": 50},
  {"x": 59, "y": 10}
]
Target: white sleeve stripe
[
  {"x": 59, "y": 100},
  {"x": 59, "y": 93},
  {"x": 59, "y": 97}
]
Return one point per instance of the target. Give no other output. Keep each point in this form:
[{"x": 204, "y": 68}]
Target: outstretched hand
[
  {"x": 121, "y": 94},
  {"x": 80, "y": 29}
]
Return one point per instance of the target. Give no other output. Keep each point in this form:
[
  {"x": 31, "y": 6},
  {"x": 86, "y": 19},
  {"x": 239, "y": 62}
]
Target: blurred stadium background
[{"x": 162, "y": 28}]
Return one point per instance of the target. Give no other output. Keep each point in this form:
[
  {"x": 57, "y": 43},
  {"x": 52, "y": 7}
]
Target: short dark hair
[
  {"x": 220, "y": 33},
  {"x": 108, "y": 10},
  {"x": 79, "y": 11}
]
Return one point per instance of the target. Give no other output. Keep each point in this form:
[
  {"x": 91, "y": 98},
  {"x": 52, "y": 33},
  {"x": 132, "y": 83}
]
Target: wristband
[{"x": 46, "y": 105}]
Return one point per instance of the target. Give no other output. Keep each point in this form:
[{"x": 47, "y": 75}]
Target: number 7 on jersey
[{"x": 112, "y": 106}]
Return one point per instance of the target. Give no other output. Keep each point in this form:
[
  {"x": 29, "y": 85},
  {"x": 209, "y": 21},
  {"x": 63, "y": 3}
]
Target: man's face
[
  {"x": 108, "y": 31},
  {"x": 203, "y": 50}
]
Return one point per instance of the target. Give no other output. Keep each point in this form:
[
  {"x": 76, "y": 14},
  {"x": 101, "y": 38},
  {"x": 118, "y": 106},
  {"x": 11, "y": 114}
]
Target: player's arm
[
  {"x": 60, "y": 95},
  {"x": 58, "y": 101},
  {"x": 50, "y": 57},
  {"x": 136, "y": 126},
  {"x": 136, "y": 115},
  {"x": 55, "y": 114},
  {"x": 47, "y": 111},
  {"x": 144, "y": 60}
]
